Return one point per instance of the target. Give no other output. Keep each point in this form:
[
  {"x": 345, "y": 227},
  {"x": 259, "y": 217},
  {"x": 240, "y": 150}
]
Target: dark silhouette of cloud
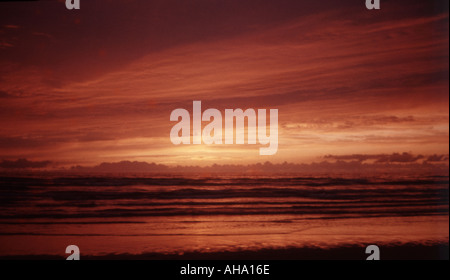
[
  {"x": 395, "y": 163},
  {"x": 437, "y": 158},
  {"x": 23, "y": 164},
  {"x": 382, "y": 158},
  {"x": 396, "y": 157}
]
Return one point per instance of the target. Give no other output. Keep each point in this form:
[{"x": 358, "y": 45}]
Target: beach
[{"x": 224, "y": 217}]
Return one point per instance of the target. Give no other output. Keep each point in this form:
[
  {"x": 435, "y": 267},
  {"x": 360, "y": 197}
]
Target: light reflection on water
[{"x": 139, "y": 215}]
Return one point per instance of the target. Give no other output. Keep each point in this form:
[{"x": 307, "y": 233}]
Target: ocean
[{"x": 134, "y": 215}]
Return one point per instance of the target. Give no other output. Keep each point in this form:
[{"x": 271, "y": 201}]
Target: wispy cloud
[
  {"x": 344, "y": 81},
  {"x": 11, "y": 26}
]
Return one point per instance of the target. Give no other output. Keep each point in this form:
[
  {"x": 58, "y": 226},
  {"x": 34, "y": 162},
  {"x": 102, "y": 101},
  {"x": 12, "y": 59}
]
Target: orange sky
[{"x": 99, "y": 84}]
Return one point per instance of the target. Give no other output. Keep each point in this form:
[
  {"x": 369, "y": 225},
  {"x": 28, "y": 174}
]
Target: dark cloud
[
  {"x": 20, "y": 142},
  {"x": 4, "y": 94},
  {"x": 380, "y": 158},
  {"x": 266, "y": 168},
  {"x": 399, "y": 158},
  {"x": 23, "y": 164},
  {"x": 355, "y": 157},
  {"x": 437, "y": 158},
  {"x": 142, "y": 27},
  {"x": 49, "y": 139},
  {"x": 139, "y": 28}
]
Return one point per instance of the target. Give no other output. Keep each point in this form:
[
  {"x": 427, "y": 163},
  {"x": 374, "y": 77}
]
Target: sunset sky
[{"x": 81, "y": 87}]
